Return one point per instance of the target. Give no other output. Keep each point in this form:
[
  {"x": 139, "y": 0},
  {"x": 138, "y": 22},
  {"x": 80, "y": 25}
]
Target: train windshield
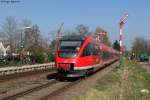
[{"x": 69, "y": 49}]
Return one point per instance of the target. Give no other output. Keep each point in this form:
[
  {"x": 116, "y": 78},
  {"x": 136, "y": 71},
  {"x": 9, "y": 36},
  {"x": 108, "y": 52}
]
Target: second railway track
[
  {"x": 38, "y": 92},
  {"x": 28, "y": 91},
  {"x": 44, "y": 91}
]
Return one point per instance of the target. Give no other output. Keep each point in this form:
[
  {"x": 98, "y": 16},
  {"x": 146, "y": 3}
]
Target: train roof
[{"x": 73, "y": 37}]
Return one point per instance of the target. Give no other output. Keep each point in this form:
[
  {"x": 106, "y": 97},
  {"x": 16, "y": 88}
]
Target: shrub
[
  {"x": 51, "y": 57},
  {"x": 39, "y": 58}
]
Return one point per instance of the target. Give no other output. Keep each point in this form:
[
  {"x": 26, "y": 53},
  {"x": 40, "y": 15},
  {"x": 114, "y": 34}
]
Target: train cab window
[{"x": 69, "y": 49}]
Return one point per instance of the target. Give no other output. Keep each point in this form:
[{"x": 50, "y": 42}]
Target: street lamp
[
  {"x": 26, "y": 30},
  {"x": 28, "y": 27},
  {"x": 22, "y": 37},
  {"x": 23, "y": 42}
]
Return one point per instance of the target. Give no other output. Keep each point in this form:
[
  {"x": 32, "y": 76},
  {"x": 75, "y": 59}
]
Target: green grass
[
  {"x": 139, "y": 79},
  {"x": 107, "y": 81},
  {"x": 124, "y": 83}
]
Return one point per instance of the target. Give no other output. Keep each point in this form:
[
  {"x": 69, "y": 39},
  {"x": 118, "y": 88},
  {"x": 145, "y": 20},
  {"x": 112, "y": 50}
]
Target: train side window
[
  {"x": 96, "y": 50},
  {"x": 93, "y": 48},
  {"x": 86, "y": 51},
  {"x": 99, "y": 51},
  {"x": 90, "y": 49}
]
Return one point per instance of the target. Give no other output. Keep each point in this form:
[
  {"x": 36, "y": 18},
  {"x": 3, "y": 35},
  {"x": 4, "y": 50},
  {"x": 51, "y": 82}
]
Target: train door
[{"x": 89, "y": 55}]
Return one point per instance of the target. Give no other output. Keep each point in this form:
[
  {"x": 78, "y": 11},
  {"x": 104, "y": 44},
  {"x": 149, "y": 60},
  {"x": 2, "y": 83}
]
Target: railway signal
[{"x": 121, "y": 23}]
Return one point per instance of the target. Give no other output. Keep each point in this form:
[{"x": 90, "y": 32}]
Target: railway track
[
  {"x": 60, "y": 90},
  {"x": 47, "y": 90},
  {"x": 15, "y": 85},
  {"x": 28, "y": 91},
  {"x": 29, "y": 94}
]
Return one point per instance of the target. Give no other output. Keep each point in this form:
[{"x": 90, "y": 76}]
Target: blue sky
[{"x": 49, "y": 14}]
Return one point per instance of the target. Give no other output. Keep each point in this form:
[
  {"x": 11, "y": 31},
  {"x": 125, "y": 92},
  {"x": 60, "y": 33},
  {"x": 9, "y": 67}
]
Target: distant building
[
  {"x": 4, "y": 45},
  {"x": 4, "y": 50}
]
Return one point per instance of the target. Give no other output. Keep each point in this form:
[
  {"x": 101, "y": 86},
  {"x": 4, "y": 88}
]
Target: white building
[{"x": 3, "y": 50}]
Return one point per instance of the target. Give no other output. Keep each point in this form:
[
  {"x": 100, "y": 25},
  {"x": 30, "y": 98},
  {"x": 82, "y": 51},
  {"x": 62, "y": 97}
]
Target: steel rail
[{"x": 28, "y": 91}]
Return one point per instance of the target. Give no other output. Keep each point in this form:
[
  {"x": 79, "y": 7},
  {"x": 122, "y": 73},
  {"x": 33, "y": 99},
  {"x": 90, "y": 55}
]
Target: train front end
[{"x": 67, "y": 55}]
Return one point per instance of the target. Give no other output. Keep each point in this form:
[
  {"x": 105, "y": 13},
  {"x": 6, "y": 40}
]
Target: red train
[{"x": 77, "y": 55}]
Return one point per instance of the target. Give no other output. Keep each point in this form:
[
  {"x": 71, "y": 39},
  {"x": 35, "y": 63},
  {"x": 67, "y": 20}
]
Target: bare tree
[
  {"x": 82, "y": 29},
  {"x": 99, "y": 30},
  {"x": 10, "y": 28},
  {"x": 141, "y": 46}
]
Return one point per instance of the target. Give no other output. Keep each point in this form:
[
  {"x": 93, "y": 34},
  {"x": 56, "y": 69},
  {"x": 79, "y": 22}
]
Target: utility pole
[{"x": 121, "y": 23}]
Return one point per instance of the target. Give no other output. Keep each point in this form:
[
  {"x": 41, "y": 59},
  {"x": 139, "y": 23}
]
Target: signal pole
[
  {"x": 58, "y": 35},
  {"x": 121, "y": 23}
]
